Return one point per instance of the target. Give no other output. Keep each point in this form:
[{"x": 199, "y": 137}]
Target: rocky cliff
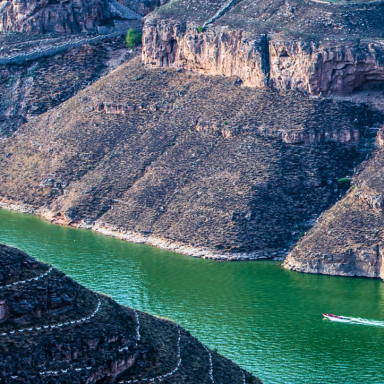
[
  {"x": 305, "y": 46},
  {"x": 54, "y": 330},
  {"x": 60, "y": 16}
]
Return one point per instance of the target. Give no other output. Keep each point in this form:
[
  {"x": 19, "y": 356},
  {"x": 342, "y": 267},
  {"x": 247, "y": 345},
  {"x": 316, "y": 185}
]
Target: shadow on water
[{"x": 265, "y": 318}]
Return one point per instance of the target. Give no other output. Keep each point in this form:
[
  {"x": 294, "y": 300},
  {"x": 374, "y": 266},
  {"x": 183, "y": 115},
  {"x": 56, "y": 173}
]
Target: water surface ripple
[{"x": 266, "y": 319}]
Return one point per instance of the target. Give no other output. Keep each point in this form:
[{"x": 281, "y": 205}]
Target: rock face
[
  {"x": 45, "y": 16},
  {"x": 56, "y": 331},
  {"x": 143, "y": 7},
  {"x": 262, "y": 56},
  {"x": 195, "y": 163},
  {"x": 214, "y": 52},
  {"x": 311, "y": 68}
]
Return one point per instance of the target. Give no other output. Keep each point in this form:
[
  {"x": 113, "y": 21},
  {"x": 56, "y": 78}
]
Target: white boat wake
[{"x": 356, "y": 320}]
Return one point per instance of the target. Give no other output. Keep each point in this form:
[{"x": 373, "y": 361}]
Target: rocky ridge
[
  {"x": 54, "y": 330},
  {"x": 348, "y": 240}
]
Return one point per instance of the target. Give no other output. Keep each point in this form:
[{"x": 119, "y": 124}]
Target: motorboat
[{"x": 334, "y": 317}]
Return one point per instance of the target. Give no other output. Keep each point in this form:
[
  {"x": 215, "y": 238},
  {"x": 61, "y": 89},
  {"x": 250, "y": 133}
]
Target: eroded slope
[
  {"x": 348, "y": 239},
  {"x": 192, "y": 160},
  {"x": 32, "y": 88}
]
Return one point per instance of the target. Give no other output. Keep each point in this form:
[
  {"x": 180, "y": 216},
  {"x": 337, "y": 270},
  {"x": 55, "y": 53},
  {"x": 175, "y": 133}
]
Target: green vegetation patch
[
  {"x": 344, "y": 182},
  {"x": 133, "y": 38}
]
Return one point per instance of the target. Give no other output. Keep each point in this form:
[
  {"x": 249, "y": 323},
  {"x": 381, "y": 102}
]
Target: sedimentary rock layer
[
  {"x": 187, "y": 159},
  {"x": 263, "y": 53},
  {"x": 53, "y": 330}
]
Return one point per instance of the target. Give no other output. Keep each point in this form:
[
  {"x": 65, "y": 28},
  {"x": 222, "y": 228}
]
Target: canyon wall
[
  {"x": 313, "y": 68},
  {"x": 55, "y": 16},
  {"x": 216, "y": 51}
]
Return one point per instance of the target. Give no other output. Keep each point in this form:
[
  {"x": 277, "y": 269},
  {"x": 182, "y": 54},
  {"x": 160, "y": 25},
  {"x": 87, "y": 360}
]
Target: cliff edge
[{"x": 316, "y": 47}]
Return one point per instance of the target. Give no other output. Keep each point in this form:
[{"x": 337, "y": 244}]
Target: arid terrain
[
  {"x": 238, "y": 130},
  {"x": 228, "y": 139},
  {"x": 187, "y": 159}
]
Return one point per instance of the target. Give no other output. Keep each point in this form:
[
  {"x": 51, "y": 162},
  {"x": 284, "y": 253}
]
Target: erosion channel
[{"x": 265, "y": 318}]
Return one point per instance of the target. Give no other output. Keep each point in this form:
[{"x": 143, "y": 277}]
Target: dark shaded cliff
[
  {"x": 51, "y": 16},
  {"x": 53, "y": 330},
  {"x": 175, "y": 159},
  {"x": 31, "y": 88}
]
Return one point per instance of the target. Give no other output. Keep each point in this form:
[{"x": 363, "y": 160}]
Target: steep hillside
[
  {"x": 187, "y": 162},
  {"x": 31, "y": 88},
  {"x": 54, "y": 330},
  {"x": 348, "y": 239}
]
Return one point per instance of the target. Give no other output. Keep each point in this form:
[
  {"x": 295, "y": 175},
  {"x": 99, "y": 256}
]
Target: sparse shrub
[
  {"x": 225, "y": 123},
  {"x": 133, "y": 38},
  {"x": 90, "y": 166},
  {"x": 344, "y": 182},
  {"x": 200, "y": 29},
  {"x": 302, "y": 234},
  {"x": 353, "y": 187},
  {"x": 172, "y": 143}
]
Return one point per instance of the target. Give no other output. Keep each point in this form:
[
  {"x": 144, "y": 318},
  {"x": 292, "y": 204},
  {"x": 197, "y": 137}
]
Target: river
[{"x": 265, "y": 318}]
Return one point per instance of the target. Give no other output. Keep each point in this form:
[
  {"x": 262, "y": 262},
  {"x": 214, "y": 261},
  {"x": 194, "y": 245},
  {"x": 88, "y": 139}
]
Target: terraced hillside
[
  {"x": 54, "y": 330},
  {"x": 187, "y": 162}
]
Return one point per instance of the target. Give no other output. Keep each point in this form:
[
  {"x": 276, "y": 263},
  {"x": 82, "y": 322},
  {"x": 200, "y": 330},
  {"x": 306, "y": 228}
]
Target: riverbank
[{"x": 138, "y": 238}]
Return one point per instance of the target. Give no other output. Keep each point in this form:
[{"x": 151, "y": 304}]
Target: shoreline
[{"x": 138, "y": 238}]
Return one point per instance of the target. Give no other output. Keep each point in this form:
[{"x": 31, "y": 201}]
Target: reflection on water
[{"x": 267, "y": 319}]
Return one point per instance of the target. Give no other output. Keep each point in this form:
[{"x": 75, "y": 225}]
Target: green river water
[{"x": 263, "y": 317}]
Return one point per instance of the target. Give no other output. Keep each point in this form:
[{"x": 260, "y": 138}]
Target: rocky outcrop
[
  {"x": 313, "y": 68},
  {"x": 327, "y": 68},
  {"x": 216, "y": 51},
  {"x": 53, "y": 330},
  {"x": 59, "y": 16}
]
